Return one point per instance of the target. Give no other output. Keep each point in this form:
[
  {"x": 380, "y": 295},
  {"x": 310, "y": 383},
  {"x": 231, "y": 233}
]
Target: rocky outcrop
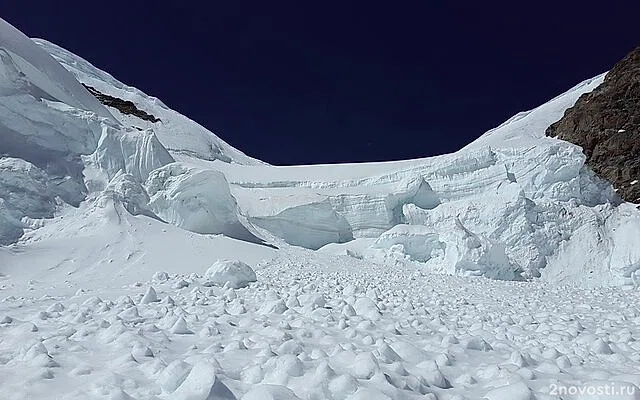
[
  {"x": 124, "y": 106},
  {"x": 606, "y": 124}
]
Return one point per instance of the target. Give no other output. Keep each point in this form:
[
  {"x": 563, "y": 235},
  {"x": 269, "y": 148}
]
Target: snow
[
  {"x": 131, "y": 151},
  {"x": 270, "y": 392},
  {"x": 100, "y": 244},
  {"x": 178, "y": 134},
  {"x": 528, "y": 178},
  {"x": 144, "y": 260},
  {"x": 196, "y": 200},
  {"x": 37, "y": 69},
  {"x": 413, "y": 334},
  {"x": 536, "y": 192},
  {"x": 232, "y": 273}
]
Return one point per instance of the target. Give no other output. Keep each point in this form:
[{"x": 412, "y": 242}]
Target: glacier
[
  {"x": 544, "y": 202},
  {"x": 149, "y": 259}
]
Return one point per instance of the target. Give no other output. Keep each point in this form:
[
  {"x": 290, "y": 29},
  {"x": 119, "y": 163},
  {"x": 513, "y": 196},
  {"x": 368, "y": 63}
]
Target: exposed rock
[
  {"x": 606, "y": 124},
  {"x": 124, "y": 106}
]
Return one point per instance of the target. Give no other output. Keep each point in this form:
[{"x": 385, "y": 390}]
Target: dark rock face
[
  {"x": 124, "y": 106},
  {"x": 606, "y": 124}
]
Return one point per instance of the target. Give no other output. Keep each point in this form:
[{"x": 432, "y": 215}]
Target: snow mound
[
  {"x": 233, "y": 273},
  {"x": 101, "y": 244}
]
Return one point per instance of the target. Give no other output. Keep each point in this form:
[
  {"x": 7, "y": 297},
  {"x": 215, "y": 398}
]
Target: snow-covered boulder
[{"x": 232, "y": 272}]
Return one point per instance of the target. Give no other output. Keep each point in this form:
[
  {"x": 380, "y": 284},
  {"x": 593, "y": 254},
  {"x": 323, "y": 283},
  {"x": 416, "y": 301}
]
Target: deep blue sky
[{"x": 318, "y": 82}]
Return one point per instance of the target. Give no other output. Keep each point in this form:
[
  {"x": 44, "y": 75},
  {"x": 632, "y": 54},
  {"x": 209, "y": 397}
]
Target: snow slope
[
  {"x": 178, "y": 134},
  {"x": 40, "y": 71}
]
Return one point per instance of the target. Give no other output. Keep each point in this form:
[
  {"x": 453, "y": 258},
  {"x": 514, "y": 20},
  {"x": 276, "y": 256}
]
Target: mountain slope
[
  {"x": 178, "y": 134},
  {"x": 545, "y": 204},
  {"x": 606, "y": 124},
  {"x": 113, "y": 220}
]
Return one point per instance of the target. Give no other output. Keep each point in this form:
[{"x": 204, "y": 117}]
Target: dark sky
[{"x": 318, "y": 82}]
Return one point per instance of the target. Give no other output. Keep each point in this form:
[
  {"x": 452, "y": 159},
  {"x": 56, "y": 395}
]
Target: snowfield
[
  {"x": 152, "y": 260},
  {"x": 318, "y": 327}
]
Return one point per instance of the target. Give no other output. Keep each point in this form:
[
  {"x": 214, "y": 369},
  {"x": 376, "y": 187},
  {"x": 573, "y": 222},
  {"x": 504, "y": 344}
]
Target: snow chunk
[
  {"x": 130, "y": 151},
  {"x": 478, "y": 255},
  {"x": 234, "y": 272},
  {"x": 173, "y": 375},
  {"x": 196, "y": 200},
  {"x": 150, "y": 296},
  {"x": 270, "y": 392},
  {"x": 418, "y": 242},
  {"x": 311, "y": 225},
  {"x": 202, "y": 384},
  {"x": 364, "y": 366},
  {"x": 516, "y": 391},
  {"x": 25, "y": 191},
  {"x": 44, "y": 73},
  {"x": 180, "y": 327},
  {"x": 365, "y": 307}
]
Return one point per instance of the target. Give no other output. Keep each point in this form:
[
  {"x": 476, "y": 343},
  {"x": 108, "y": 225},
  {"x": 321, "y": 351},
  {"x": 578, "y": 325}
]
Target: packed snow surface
[{"x": 152, "y": 260}]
